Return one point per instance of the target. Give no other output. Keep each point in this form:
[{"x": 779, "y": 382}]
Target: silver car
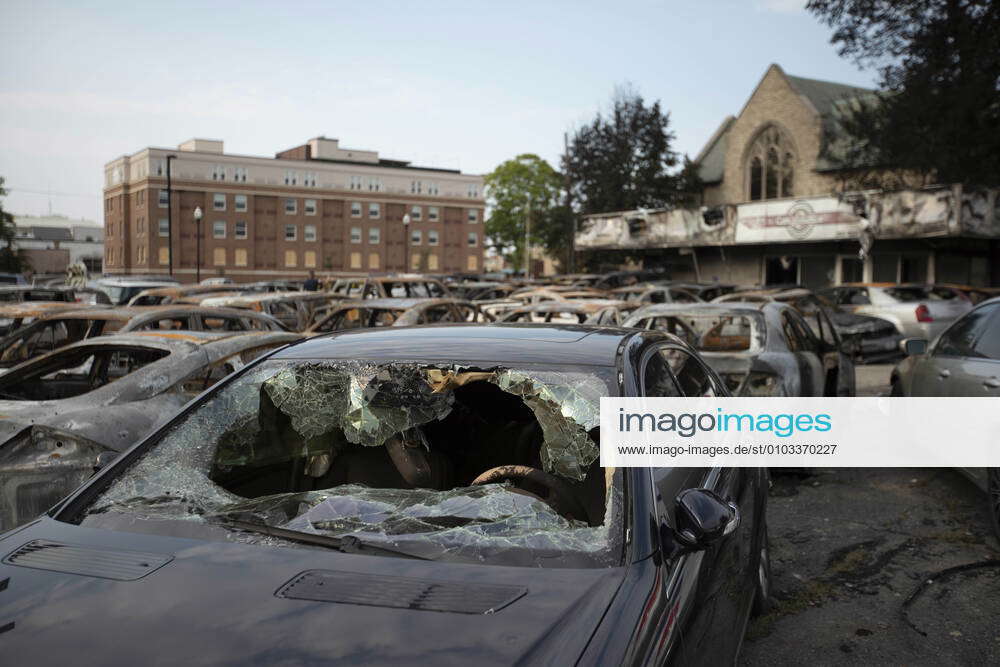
[
  {"x": 917, "y": 311},
  {"x": 964, "y": 361}
]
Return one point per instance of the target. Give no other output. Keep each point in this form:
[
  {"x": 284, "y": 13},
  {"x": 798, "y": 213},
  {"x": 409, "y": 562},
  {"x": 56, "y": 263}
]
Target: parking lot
[{"x": 879, "y": 565}]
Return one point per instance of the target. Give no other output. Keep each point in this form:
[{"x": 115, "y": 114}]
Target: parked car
[
  {"x": 166, "y": 295},
  {"x": 759, "y": 349},
  {"x": 58, "y": 328},
  {"x": 964, "y": 361},
  {"x": 915, "y": 310},
  {"x": 121, "y": 290},
  {"x": 480, "y": 291},
  {"x": 380, "y": 287},
  {"x": 868, "y": 339},
  {"x": 316, "y": 516},
  {"x": 646, "y": 293},
  {"x": 30, "y": 293},
  {"x": 293, "y": 309},
  {"x": 600, "y": 312},
  {"x": 15, "y": 315},
  {"x": 370, "y": 313}
]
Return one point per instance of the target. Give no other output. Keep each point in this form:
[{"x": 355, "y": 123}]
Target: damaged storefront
[
  {"x": 934, "y": 235},
  {"x": 442, "y": 462}
]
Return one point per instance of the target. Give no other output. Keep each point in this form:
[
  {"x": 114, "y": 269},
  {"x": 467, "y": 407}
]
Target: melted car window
[{"x": 447, "y": 462}]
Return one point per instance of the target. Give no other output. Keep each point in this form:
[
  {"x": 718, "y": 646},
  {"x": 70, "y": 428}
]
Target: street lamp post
[
  {"x": 197, "y": 232},
  {"x": 406, "y": 233},
  {"x": 170, "y": 219}
]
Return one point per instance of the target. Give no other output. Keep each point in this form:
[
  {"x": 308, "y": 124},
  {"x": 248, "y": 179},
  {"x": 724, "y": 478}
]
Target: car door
[
  {"x": 805, "y": 348},
  {"x": 839, "y": 365},
  {"x": 708, "y": 593},
  {"x": 964, "y": 359}
]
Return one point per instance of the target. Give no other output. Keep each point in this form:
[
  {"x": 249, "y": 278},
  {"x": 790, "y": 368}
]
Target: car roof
[
  {"x": 126, "y": 313},
  {"x": 727, "y": 306},
  {"x": 500, "y": 343},
  {"x": 388, "y": 303}
]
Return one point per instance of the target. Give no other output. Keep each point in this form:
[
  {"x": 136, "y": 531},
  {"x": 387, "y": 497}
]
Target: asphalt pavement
[{"x": 879, "y": 566}]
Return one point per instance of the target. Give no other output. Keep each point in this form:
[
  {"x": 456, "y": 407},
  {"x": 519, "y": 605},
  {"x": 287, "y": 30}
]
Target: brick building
[{"x": 313, "y": 207}]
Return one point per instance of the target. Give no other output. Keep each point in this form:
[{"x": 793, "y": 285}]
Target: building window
[
  {"x": 356, "y": 183},
  {"x": 472, "y": 263},
  {"x": 291, "y": 178},
  {"x": 219, "y": 229},
  {"x": 240, "y": 257},
  {"x": 291, "y": 258},
  {"x": 310, "y": 179},
  {"x": 432, "y": 188},
  {"x": 219, "y": 201},
  {"x": 309, "y": 259},
  {"x": 309, "y": 233},
  {"x": 291, "y": 232},
  {"x": 473, "y": 239},
  {"x": 432, "y": 213},
  {"x": 770, "y": 166},
  {"x": 473, "y": 215},
  {"x": 240, "y": 174},
  {"x": 140, "y": 255},
  {"x": 355, "y": 235},
  {"x": 218, "y": 172},
  {"x": 164, "y": 199},
  {"x": 374, "y": 235},
  {"x": 416, "y": 237},
  {"x": 374, "y": 210},
  {"x": 141, "y": 226},
  {"x": 291, "y": 206},
  {"x": 432, "y": 237},
  {"x": 472, "y": 190},
  {"x": 219, "y": 257},
  {"x": 416, "y": 212},
  {"x": 241, "y": 230},
  {"x": 164, "y": 227},
  {"x": 415, "y": 262},
  {"x": 159, "y": 167},
  {"x": 240, "y": 203},
  {"x": 416, "y": 187},
  {"x": 432, "y": 262},
  {"x": 309, "y": 207},
  {"x": 355, "y": 209},
  {"x": 373, "y": 260},
  {"x": 375, "y": 185},
  {"x": 164, "y": 256},
  {"x": 355, "y": 260}
]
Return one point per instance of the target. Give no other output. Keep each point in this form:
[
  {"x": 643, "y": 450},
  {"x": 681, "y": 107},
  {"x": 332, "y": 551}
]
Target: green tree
[
  {"x": 623, "y": 160},
  {"x": 938, "y": 113},
  {"x": 11, "y": 259},
  {"x": 515, "y": 186}
]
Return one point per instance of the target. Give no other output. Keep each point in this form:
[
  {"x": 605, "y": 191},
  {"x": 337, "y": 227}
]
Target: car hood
[
  {"x": 852, "y": 323},
  {"x": 220, "y": 602}
]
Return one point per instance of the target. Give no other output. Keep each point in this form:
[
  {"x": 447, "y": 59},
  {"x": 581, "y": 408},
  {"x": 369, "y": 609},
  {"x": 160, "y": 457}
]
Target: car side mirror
[
  {"x": 703, "y": 518},
  {"x": 913, "y": 346}
]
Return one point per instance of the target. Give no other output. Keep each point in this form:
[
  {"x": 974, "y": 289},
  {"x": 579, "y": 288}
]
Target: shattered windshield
[{"x": 444, "y": 462}]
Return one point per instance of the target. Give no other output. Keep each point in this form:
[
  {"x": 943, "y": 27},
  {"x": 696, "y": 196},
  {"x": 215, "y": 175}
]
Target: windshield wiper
[{"x": 347, "y": 544}]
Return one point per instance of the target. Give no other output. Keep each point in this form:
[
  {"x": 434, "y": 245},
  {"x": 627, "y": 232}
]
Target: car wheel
[
  {"x": 762, "y": 587},
  {"x": 993, "y": 491}
]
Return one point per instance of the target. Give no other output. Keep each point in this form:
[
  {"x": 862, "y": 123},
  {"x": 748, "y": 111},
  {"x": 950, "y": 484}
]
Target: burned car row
[{"x": 350, "y": 462}]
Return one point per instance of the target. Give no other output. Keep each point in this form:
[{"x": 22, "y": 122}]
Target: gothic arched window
[{"x": 770, "y": 166}]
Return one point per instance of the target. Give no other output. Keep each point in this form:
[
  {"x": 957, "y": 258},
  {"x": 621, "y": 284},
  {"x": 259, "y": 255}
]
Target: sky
[{"x": 462, "y": 85}]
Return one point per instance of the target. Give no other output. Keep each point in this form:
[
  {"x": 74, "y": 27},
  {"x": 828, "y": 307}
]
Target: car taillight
[{"x": 924, "y": 313}]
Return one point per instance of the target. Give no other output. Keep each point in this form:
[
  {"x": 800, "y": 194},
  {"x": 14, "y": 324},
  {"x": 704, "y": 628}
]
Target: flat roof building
[{"x": 317, "y": 206}]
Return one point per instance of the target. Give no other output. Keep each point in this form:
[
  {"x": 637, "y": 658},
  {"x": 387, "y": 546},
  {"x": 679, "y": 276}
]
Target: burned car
[
  {"x": 426, "y": 495},
  {"x": 759, "y": 349},
  {"x": 381, "y": 287},
  {"x": 293, "y": 309},
  {"x": 604, "y": 312},
  {"x": 370, "y": 313},
  {"x": 13, "y": 316},
  {"x": 58, "y": 328},
  {"x": 101, "y": 395}
]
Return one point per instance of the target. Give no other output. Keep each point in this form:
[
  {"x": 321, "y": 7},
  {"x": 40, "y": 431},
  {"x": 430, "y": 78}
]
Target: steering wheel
[{"x": 556, "y": 493}]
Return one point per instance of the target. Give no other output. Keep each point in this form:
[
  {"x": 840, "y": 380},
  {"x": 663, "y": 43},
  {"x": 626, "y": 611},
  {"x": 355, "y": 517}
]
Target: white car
[{"x": 917, "y": 311}]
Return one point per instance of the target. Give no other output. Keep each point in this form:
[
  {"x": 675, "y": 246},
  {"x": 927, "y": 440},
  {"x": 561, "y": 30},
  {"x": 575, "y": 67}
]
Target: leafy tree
[
  {"x": 526, "y": 181},
  {"x": 623, "y": 160},
  {"x": 938, "y": 115},
  {"x": 11, "y": 259}
]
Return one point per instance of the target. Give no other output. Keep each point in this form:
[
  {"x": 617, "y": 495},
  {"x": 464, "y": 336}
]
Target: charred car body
[
  {"x": 759, "y": 349},
  {"x": 444, "y": 469},
  {"x": 101, "y": 395},
  {"x": 371, "y": 313}
]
